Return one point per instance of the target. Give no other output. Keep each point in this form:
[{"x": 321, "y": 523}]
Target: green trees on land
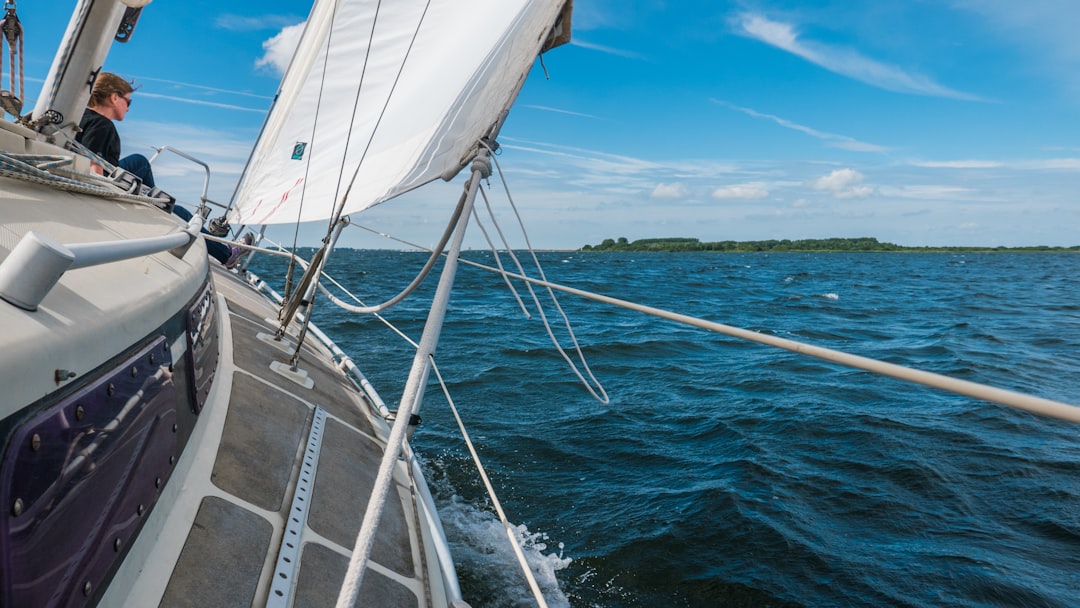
[{"x": 833, "y": 244}]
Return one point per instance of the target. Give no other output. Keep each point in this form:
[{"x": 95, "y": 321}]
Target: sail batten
[{"x": 381, "y": 98}]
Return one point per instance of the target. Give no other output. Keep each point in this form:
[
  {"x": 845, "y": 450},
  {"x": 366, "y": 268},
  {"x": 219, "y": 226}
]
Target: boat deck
[{"x": 269, "y": 500}]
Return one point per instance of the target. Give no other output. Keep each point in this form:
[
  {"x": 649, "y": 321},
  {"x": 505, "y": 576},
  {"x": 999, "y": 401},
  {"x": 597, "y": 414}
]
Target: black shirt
[{"x": 99, "y": 135}]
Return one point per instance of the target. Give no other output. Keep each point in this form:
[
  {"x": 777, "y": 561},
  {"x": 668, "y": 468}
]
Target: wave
[
  {"x": 727, "y": 473},
  {"x": 488, "y": 568}
]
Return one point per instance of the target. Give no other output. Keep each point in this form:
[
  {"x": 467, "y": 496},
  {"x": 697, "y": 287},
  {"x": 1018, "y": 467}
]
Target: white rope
[
  {"x": 498, "y": 258},
  {"x": 281, "y": 251},
  {"x": 435, "y": 253},
  {"x": 598, "y": 393},
  {"x": 510, "y": 532},
  {"x": 14, "y": 166},
  {"x": 602, "y": 396}
]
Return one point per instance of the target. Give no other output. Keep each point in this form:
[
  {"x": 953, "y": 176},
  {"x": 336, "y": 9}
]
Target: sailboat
[
  {"x": 176, "y": 433},
  {"x": 172, "y": 434}
]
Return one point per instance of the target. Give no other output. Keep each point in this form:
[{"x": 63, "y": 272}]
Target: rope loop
[{"x": 482, "y": 165}]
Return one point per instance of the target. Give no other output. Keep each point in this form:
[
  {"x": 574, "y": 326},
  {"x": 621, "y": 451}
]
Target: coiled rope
[{"x": 49, "y": 171}]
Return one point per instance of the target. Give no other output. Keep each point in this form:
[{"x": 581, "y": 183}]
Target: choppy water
[{"x": 724, "y": 473}]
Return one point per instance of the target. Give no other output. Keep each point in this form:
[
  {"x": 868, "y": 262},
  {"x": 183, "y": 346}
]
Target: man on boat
[{"x": 110, "y": 100}]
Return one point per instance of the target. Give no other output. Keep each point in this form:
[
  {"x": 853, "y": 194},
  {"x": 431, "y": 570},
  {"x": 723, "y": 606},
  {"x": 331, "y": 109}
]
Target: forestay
[{"x": 382, "y": 97}]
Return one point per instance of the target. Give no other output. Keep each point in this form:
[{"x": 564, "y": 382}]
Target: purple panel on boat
[
  {"x": 80, "y": 477},
  {"x": 202, "y": 345}
]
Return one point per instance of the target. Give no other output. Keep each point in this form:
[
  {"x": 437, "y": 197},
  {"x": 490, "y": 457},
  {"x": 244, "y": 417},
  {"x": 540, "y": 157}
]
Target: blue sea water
[{"x": 724, "y": 473}]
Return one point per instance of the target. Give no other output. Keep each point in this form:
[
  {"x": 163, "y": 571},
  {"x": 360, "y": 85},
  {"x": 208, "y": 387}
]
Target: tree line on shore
[{"x": 802, "y": 245}]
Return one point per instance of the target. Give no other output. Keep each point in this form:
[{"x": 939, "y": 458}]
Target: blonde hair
[{"x": 105, "y": 85}]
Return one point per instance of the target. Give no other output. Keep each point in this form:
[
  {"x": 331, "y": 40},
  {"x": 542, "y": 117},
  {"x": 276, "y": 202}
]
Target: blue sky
[{"x": 946, "y": 122}]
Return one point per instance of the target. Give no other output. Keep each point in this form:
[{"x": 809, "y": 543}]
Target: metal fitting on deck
[{"x": 32, "y": 269}]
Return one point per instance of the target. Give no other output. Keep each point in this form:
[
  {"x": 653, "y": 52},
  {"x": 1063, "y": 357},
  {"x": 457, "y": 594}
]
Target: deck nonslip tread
[
  {"x": 263, "y": 431},
  {"x": 331, "y": 389},
  {"x": 249, "y": 312},
  {"x": 347, "y": 468},
  {"x": 322, "y": 572},
  {"x": 222, "y": 558}
]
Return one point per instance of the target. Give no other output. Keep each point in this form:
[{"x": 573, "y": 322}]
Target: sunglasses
[{"x": 127, "y": 100}]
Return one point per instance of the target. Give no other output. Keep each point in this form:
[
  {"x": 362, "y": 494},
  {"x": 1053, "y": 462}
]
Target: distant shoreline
[{"x": 832, "y": 245}]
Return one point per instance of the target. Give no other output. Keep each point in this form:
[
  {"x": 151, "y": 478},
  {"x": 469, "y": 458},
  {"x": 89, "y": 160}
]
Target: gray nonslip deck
[{"x": 231, "y": 549}]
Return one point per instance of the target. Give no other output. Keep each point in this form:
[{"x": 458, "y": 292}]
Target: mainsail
[{"x": 382, "y": 97}]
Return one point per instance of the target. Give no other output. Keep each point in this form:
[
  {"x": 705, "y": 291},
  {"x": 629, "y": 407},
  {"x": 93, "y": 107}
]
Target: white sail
[{"x": 388, "y": 96}]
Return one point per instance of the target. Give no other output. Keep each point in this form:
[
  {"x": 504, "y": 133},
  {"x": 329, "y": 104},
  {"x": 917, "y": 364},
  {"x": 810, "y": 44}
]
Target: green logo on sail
[{"x": 298, "y": 150}]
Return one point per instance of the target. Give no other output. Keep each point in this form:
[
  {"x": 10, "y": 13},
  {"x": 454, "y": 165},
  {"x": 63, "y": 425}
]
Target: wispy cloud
[
  {"x": 927, "y": 192},
  {"x": 612, "y": 162},
  {"x": 240, "y": 23},
  {"x": 559, "y": 111},
  {"x": 607, "y": 49},
  {"x": 1054, "y": 164},
  {"x": 579, "y": 170},
  {"x": 139, "y": 79},
  {"x": 1043, "y": 164},
  {"x": 831, "y": 139},
  {"x": 225, "y": 150},
  {"x": 959, "y": 164},
  {"x": 741, "y": 191},
  {"x": 844, "y": 61},
  {"x": 1047, "y": 28},
  {"x": 673, "y": 191},
  {"x": 203, "y": 102}
]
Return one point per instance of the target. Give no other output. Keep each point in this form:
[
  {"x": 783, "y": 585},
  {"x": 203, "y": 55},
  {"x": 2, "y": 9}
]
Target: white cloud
[
  {"x": 837, "y": 180},
  {"x": 740, "y": 191},
  {"x": 279, "y": 49},
  {"x": 843, "y": 183},
  {"x": 843, "y": 61},
  {"x": 854, "y": 192},
  {"x": 673, "y": 191},
  {"x": 832, "y": 140}
]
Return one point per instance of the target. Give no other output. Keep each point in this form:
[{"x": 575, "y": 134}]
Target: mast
[{"x": 78, "y": 61}]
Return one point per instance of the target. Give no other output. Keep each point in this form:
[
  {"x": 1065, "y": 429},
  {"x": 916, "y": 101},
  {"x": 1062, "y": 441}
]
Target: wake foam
[{"x": 486, "y": 563}]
